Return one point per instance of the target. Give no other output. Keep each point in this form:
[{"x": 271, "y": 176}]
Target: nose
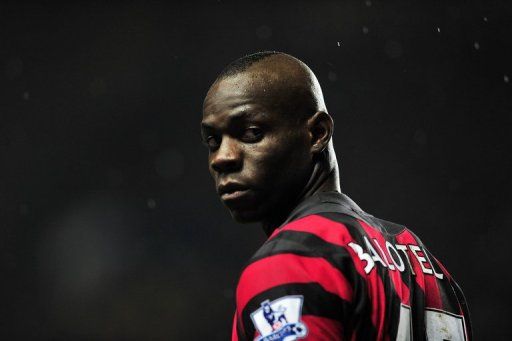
[{"x": 227, "y": 158}]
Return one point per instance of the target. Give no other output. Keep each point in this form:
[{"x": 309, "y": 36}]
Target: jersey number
[{"x": 440, "y": 325}]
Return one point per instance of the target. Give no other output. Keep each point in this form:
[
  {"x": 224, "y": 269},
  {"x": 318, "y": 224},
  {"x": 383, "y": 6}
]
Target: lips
[{"x": 232, "y": 191}]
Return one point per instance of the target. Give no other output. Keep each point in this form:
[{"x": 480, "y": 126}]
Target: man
[{"x": 328, "y": 271}]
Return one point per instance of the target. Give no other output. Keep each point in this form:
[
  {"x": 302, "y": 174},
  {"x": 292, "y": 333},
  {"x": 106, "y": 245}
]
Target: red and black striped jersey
[{"x": 333, "y": 272}]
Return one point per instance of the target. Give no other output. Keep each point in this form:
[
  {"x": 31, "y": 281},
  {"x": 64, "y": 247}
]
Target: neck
[{"x": 324, "y": 177}]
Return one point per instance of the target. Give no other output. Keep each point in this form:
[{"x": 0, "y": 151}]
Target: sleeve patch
[{"x": 280, "y": 320}]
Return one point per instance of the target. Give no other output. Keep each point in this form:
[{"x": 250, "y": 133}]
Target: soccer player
[{"x": 328, "y": 271}]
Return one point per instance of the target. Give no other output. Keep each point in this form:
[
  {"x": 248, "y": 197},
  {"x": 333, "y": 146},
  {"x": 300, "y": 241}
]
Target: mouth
[
  {"x": 232, "y": 191},
  {"x": 235, "y": 195}
]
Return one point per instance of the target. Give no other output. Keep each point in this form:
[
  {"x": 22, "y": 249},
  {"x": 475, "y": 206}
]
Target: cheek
[{"x": 279, "y": 165}]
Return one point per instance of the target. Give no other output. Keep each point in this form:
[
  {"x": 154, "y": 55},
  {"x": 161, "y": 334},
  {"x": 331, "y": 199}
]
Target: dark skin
[{"x": 269, "y": 140}]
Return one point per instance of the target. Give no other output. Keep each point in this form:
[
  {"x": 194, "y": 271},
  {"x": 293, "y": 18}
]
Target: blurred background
[{"x": 110, "y": 227}]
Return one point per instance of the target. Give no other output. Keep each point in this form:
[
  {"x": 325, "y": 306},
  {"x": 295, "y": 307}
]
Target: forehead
[{"x": 237, "y": 96}]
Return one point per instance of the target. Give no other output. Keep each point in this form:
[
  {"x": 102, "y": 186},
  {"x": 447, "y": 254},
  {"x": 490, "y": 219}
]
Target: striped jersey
[{"x": 333, "y": 272}]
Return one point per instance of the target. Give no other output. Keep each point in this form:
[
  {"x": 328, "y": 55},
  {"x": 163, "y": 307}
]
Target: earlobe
[{"x": 321, "y": 129}]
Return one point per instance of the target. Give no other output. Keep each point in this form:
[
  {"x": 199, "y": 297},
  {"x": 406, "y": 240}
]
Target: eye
[
  {"x": 212, "y": 142},
  {"x": 252, "y": 134}
]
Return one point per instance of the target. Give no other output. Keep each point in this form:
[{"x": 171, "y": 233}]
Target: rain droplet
[
  {"x": 485, "y": 19},
  {"x": 368, "y": 3},
  {"x": 438, "y": 30},
  {"x": 476, "y": 45},
  {"x": 151, "y": 203},
  {"x": 365, "y": 29},
  {"x": 506, "y": 79},
  {"x": 26, "y": 95},
  {"x": 339, "y": 43}
]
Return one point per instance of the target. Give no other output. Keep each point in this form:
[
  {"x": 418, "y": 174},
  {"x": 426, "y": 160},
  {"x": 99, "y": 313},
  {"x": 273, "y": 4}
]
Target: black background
[{"x": 110, "y": 227}]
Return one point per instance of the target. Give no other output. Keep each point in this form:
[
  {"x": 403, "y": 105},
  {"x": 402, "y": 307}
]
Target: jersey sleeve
[{"x": 297, "y": 284}]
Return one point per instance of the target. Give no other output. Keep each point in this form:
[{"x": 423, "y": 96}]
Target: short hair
[{"x": 243, "y": 63}]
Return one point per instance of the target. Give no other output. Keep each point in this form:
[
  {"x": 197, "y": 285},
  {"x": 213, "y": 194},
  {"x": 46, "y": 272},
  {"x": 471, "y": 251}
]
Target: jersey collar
[{"x": 325, "y": 202}]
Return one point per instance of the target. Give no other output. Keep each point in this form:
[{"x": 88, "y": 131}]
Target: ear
[{"x": 320, "y": 127}]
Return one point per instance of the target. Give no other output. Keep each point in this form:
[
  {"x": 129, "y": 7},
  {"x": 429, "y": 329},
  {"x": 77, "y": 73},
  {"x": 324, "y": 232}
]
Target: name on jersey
[{"x": 395, "y": 257}]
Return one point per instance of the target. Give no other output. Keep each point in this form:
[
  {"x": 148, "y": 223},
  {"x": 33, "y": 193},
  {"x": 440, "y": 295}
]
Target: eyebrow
[{"x": 238, "y": 116}]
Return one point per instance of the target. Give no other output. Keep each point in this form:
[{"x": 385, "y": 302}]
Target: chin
[{"x": 246, "y": 216}]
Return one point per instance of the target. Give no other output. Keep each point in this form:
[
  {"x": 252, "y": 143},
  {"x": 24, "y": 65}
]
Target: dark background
[{"x": 110, "y": 227}]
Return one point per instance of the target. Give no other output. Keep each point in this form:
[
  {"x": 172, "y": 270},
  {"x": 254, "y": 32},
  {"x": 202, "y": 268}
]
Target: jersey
[{"x": 333, "y": 272}]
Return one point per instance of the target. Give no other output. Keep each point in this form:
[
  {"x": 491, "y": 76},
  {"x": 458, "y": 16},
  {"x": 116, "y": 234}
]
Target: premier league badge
[{"x": 279, "y": 320}]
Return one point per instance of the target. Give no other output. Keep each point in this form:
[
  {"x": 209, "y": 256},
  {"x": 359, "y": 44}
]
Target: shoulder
[
  {"x": 309, "y": 250},
  {"x": 326, "y": 238},
  {"x": 309, "y": 242},
  {"x": 304, "y": 259},
  {"x": 313, "y": 236}
]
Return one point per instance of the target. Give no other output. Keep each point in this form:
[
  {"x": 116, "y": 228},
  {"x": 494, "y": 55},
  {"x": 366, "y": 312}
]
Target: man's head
[{"x": 265, "y": 125}]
